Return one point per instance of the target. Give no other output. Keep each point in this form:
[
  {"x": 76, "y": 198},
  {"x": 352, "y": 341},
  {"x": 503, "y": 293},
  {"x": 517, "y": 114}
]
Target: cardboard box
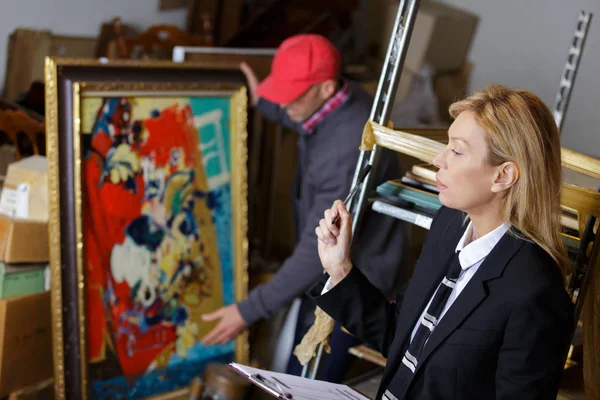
[
  {"x": 20, "y": 280},
  {"x": 26, "y": 183},
  {"x": 25, "y": 341},
  {"x": 27, "y": 50},
  {"x": 450, "y": 87},
  {"x": 23, "y": 241},
  {"x": 441, "y": 36},
  {"x": 73, "y": 46},
  {"x": 406, "y": 80}
]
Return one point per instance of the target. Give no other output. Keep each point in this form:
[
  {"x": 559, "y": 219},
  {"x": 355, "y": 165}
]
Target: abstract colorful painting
[
  {"x": 148, "y": 222},
  {"x": 158, "y": 238}
]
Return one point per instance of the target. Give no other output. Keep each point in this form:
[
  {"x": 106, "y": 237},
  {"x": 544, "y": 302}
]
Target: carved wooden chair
[
  {"x": 22, "y": 131},
  {"x": 156, "y": 42},
  {"x": 22, "y": 134}
]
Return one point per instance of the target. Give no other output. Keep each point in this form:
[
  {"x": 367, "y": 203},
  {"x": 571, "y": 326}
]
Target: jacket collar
[{"x": 335, "y": 102}]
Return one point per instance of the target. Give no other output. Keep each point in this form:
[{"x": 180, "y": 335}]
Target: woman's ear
[{"x": 507, "y": 174}]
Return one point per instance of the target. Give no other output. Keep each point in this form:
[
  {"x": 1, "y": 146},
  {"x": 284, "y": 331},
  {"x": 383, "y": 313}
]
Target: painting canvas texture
[{"x": 158, "y": 238}]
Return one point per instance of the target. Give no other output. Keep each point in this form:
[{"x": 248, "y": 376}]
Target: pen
[{"x": 361, "y": 178}]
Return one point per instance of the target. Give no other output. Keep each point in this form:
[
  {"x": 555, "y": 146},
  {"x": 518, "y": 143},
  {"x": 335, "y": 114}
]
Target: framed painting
[{"x": 148, "y": 222}]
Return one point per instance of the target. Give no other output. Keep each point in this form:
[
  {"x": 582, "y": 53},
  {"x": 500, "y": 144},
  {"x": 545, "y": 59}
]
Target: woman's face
[{"x": 465, "y": 178}]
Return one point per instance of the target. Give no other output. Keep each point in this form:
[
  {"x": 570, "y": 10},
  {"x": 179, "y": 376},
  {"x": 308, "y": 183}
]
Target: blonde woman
[{"x": 485, "y": 315}]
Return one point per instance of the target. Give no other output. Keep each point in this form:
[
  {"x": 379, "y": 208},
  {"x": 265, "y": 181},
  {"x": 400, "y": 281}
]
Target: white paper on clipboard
[{"x": 278, "y": 385}]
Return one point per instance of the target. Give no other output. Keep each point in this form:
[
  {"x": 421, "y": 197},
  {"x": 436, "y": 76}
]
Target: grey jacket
[{"x": 327, "y": 159}]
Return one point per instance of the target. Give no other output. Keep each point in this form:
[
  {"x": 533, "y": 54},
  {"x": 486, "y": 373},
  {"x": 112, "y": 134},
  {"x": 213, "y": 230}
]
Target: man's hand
[
  {"x": 231, "y": 325},
  {"x": 252, "y": 82}
]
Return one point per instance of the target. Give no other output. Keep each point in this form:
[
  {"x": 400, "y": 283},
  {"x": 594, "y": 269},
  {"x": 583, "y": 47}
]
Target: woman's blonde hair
[{"x": 520, "y": 128}]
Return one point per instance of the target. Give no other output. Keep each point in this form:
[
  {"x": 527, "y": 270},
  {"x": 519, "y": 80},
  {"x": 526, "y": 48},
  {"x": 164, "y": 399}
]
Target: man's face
[{"x": 307, "y": 104}]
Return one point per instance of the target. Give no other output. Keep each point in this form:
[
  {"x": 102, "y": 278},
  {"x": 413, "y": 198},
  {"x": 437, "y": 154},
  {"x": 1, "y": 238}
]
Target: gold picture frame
[{"x": 73, "y": 88}]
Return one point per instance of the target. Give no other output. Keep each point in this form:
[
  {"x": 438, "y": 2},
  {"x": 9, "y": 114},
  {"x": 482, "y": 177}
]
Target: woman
[{"x": 485, "y": 315}]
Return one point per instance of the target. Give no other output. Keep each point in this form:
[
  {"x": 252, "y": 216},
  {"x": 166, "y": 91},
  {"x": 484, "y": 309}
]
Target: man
[{"x": 304, "y": 92}]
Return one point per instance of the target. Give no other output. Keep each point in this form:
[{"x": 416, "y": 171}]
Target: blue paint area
[
  {"x": 171, "y": 378},
  {"x": 223, "y": 224},
  {"x": 209, "y": 132},
  {"x": 215, "y": 139}
]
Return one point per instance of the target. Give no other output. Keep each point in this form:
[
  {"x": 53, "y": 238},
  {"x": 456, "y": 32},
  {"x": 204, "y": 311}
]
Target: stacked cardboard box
[
  {"x": 25, "y": 327},
  {"x": 27, "y": 50},
  {"x": 26, "y": 190},
  {"x": 25, "y": 341},
  {"x": 441, "y": 39},
  {"x": 23, "y": 256},
  {"x": 24, "y": 227}
]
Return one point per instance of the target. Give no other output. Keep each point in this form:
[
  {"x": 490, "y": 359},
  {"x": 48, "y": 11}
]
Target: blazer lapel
[
  {"x": 427, "y": 276},
  {"x": 473, "y": 294}
]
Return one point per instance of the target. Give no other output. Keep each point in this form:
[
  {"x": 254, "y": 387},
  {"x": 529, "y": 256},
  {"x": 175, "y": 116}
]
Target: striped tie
[{"x": 405, "y": 372}]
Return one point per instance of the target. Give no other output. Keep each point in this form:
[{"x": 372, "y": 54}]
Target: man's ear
[
  {"x": 507, "y": 174},
  {"x": 328, "y": 88}
]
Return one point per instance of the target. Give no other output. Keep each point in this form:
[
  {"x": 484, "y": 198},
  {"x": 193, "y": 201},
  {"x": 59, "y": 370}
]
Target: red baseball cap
[{"x": 300, "y": 62}]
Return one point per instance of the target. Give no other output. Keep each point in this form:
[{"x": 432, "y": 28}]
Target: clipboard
[{"x": 290, "y": 387}]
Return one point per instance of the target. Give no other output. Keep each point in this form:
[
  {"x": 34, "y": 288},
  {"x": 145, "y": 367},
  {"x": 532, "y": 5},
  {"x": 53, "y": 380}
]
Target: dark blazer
[{"x": 503, "y": 338}]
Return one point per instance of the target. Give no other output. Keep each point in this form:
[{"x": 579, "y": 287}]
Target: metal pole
[
  {"x": 580, "y": 278},
  {"x": 385, "y": 96},
  {"x": 380, "y": 112},
  {"x": 313, "y": 373},
  {"x": 578, "y": 282},
  {"x": 569, "y": 73}
]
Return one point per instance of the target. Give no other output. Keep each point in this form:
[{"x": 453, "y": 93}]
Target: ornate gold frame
[
  {"x": 423, "y": 144},
  {"x": 59, "y": 84}
]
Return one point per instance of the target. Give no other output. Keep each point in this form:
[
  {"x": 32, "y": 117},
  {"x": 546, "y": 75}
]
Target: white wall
[
  {"x": 518, "y": 43},
  {"x": 78, "y": 17},
  {"x": 524, "y": 43}
]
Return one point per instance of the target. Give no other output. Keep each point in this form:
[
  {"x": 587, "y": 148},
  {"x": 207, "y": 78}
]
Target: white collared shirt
[{"x": 471, "y": 256}]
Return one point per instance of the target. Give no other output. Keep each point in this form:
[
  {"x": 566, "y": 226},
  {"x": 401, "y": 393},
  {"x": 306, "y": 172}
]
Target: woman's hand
[{"x": 334, "y": 241}]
